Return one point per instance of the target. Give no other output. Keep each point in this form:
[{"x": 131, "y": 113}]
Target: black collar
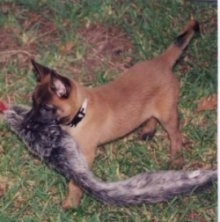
[{"x": 79, "y": 115}]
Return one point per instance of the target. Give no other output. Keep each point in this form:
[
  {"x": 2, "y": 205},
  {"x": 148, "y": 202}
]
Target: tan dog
[{"x": 146, "y": 93}]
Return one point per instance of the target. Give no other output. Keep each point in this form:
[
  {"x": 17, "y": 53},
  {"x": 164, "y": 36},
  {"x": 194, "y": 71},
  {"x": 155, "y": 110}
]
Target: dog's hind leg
[{"x": 171, "y": 125}]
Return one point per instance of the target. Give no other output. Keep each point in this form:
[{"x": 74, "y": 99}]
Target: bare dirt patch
[
  {"x": 22, "y": 38},
  {"x": 107, "y": 47},
  {"x": 107, "y": 43}
]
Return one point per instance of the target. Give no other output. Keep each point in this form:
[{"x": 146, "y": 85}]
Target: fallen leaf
[
  {"x": 3, "y": 107},
  {"x": 1, "y": 150},
  {"x": 195, "y": 217},
  {"x": 207, "y": 103},
  {"x": 3, "y": 185},
  {"x": 66, "y": 48}
]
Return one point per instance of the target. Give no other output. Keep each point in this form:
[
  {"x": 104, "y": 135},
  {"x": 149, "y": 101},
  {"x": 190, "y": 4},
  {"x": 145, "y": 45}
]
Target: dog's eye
[{"x": 48, "y": 107}]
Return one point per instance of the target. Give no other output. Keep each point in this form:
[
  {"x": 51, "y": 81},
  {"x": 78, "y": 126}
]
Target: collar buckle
[{"x": 79, "y": 115}]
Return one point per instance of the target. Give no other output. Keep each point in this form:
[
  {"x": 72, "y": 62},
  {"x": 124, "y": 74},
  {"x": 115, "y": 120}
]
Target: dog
[
  {"x": 48, "y": 141},
  {"x": 145, "y": 94}
]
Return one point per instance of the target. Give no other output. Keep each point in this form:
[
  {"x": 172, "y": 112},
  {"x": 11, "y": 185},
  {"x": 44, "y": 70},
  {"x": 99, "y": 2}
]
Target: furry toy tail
[{"x": 60, "y": 152}]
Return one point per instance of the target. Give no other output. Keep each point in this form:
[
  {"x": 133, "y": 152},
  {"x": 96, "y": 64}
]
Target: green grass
[{"x": 29, "y": 190}]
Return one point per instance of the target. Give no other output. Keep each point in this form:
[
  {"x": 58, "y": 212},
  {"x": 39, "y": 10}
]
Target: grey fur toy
[{"x": 45, "y": 138}]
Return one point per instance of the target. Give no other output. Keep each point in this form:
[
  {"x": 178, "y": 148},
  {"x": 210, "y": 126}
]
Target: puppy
[{"x": 146, "y": 93}]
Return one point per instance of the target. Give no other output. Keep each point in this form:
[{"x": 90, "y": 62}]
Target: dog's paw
[
  {"x": 177, "y": 164},
  {"x": 69, "y": 203},
  {"x": 73, "y": 197}
]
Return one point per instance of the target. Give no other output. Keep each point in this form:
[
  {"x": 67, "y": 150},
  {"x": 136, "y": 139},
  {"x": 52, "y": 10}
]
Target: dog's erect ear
[
  {"x": 40, "y": 71},
  {"x": 60, "y": 85}
]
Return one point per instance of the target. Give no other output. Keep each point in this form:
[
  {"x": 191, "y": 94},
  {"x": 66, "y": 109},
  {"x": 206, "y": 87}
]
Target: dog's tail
[{"x": 174, "y": 51}]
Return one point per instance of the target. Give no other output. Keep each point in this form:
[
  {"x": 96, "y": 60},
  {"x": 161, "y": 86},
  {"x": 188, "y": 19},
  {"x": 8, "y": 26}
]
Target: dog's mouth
[
  {"x": 41, "y": 114},
  {"x": 64, "y": 120}
]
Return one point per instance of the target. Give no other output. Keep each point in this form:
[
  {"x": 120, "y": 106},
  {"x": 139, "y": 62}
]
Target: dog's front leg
[
  {"x": 74, "y": 193},
  {"x": 73, "y": 197}
]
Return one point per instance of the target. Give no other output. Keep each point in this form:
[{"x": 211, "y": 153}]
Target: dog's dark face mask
[{"x": 42, "y": 115}]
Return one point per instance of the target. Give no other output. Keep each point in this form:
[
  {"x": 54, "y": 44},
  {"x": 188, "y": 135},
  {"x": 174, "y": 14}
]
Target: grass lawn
[{"x": 92, "y": 42}]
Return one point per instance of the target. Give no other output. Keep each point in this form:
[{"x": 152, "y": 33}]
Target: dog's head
[{"x": 53, "y": 95}]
